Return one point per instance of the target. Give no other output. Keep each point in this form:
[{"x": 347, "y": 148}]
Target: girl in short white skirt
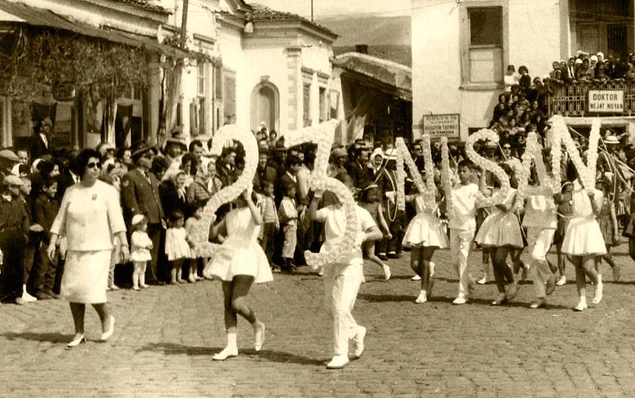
[
  {"x": 239, "y": 263},
  {"x": 424, "y": 235},
  {"x": 583, "y": 240}
]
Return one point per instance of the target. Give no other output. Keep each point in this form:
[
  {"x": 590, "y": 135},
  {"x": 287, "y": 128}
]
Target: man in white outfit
[
  {"x": 343, "y": 279},
  {"x": 541, "y": 223}
]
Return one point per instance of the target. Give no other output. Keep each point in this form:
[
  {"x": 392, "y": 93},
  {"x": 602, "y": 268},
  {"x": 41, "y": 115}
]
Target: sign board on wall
[
  {"x": 445, "y": 125},
  {"x": 606, "y": 101}
]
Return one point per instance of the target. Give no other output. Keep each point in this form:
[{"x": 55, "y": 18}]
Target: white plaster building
[{"x": 461, "y": 48}]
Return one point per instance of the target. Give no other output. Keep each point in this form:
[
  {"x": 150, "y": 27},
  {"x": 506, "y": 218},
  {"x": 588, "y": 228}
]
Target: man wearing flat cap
[
  {"x": 337, "y": 162},
  {"x": 140, "y": 195},
  {"x": 14, "y": 226}
]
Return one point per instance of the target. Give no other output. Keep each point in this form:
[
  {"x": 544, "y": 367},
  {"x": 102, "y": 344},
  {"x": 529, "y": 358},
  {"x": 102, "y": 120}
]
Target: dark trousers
[
  {"x": 268, "y": 236},
  {"x": 12, "y": 244},
  {"x": 154, "y": 233},
  {"x": 44, "y": 271}
]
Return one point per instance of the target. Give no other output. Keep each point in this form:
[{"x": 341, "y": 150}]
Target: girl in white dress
[
  {"x": 424, "y": 235},
  {"x": 500, "y": 232},
  {"x": 176, "y": 246},
  {"x": 140, "y": 251},
  {"x": 583, "y": 240},
  {"x": 239, "y": 263}
]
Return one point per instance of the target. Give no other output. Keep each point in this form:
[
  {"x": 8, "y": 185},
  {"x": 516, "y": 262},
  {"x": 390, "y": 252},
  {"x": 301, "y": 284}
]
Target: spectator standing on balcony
[
  {"x": 510, "y": 78},
  {"x": 586, "y": 72},
  {"x": 525, "y": 79}
]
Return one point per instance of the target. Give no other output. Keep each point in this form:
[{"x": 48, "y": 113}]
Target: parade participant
[
  {"x": 343, "y": 279},
  {"x": 370, "y": 199},
  {"x": 14, "y": 225},
  {"x": 610, "y": 230},
  {"x": 176, "y": 246},
  {"x": 564, "y": 201},
  {"x": 240, "y": 263},
  {"x": 140, "y": 195},
  {"x": 583, "y": 239},
  {"x": 500, "y": 232},
  {"x": 462, "y": 225},
  {"x": 424, "y": 235},
  {"x": 89, "y": 216},
  {"x": 541, "y": 222},
  {"x": 140, "y": 251}
]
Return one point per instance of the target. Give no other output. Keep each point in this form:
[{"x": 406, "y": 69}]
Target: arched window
[{"x": 265, "y": 107}]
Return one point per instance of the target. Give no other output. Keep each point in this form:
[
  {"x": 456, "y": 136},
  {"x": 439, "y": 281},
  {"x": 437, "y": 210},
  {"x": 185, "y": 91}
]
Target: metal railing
[{"x": 573, "y": 99}]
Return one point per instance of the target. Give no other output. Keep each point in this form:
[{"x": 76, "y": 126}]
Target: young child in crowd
[
  {"x": 190, "y": 224},
  {"x": 610, "y": 231},
  {"x": 288, "y": 216},
  {"x": 176, "y": 247},
  {"x": 271, "y": 223},
  {"x": 45, "y": 209},
  {"x": 424, "y": 235},
  {"x": 370, "y": 199},
  {"x": 140, "y": 251},
  {"x": 462, "y": 226}
]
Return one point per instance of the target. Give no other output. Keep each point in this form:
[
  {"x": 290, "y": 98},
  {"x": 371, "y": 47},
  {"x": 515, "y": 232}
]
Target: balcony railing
[{"x": 573, "y": 99}]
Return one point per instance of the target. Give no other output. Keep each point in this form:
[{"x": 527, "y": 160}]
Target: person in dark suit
[
  {"x": 40, "y": 143},
  {"x": 140, "y": 195},
  {"x": 358, "y": 168}
]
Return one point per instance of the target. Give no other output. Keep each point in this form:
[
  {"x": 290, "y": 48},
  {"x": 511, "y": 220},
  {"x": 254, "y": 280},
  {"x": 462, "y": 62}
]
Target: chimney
[{"x": 361, "y": 48}]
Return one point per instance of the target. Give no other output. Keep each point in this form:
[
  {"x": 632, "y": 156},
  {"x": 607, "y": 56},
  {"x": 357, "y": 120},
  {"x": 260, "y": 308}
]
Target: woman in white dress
[
  {"x": 89, "y": 216},
  {"x": 583, "y": 240},
  {"x": 239, "y": 263}
]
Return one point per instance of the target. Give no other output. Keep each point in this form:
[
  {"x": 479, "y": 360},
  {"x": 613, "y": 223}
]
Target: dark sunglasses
[{"x": 92, "y": 165}]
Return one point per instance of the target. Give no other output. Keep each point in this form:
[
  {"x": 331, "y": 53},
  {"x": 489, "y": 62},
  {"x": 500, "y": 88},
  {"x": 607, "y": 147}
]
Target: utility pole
[
  {"x": 186, "y": 4},
  {"x": 311, "y": 10}
]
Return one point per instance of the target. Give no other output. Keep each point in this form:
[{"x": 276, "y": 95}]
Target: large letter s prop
[
  {"x": 323, "y": 135},
  {"x": 403, "y": 157},
  {"x": 200, "y": 234},
  {"x": 488, "y": 165}
]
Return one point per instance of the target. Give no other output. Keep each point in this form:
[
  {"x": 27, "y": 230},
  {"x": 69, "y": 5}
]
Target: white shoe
[
  {"x": 597, "y": 298},
  {"x": 259, "y": 338},
  {"x": 111, "y": 329},
  {"x": 482, "y": 281},
  {"x": 386, "y": 272},
  {"x": 562, "y": 281},
  {"x": 415, "y": 278},
  {"x": 459, "y": 301},
  {"x": 227, "y": 352},
  {"x": 321, "y": 271},
  {"x": 582, "y": 305},
  {"x": 422, "y": 298},
  {"x": 28, "y": 298},
  {"x": 358, "y": 340},
  {"x": 338, "y": 362}
]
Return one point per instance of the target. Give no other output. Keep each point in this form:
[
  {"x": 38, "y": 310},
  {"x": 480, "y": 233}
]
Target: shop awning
[
  {"x": 46, "y": 18},
  {"x": 387, "y": 76}
]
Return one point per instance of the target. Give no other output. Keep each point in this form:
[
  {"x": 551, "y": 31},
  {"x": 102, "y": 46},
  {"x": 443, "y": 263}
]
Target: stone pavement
[{"x": 165, "y": 338}]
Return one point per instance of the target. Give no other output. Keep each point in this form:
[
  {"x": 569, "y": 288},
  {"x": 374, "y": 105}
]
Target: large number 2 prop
[
  {"x": 323, "y": 135},
  {"x": 200, "y": 234}
]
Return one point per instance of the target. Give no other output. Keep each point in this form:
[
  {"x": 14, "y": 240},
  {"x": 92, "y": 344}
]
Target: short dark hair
[
  {"x": 288, "y": 187},
  {"x": 466, "y": 163},
  {"x": 159, "y": 164},
  {"x": 78, "y": 166},
  {"x": 194, "y": 144},
  {"x": 47, "y": 182},
  {"x": 293, "y": 160},
  {"x": 176, "y": 215}
]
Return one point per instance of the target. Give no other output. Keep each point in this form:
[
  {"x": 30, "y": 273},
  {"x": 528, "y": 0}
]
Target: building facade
[{"x": 461, "y": 50}]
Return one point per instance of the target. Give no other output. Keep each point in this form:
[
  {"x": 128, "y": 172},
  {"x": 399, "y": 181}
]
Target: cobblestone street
[{"x": 165, "y": 338}]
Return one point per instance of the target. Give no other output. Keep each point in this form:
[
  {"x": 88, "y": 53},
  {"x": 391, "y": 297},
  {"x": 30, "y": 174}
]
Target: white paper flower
[
  {"x": 446, "y": 179},
  {"x": 404, "y": 158}
]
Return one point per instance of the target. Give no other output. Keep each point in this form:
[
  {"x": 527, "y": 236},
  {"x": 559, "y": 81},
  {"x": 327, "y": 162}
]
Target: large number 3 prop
[
  {"x": 224, "y": 136},
  {"x": 323, "y": 135}
]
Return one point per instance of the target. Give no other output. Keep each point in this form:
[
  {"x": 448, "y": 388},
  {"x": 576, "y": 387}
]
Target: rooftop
[
  {"x": 145, "y": 4},
  {"x": 261, "y": 12}
]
